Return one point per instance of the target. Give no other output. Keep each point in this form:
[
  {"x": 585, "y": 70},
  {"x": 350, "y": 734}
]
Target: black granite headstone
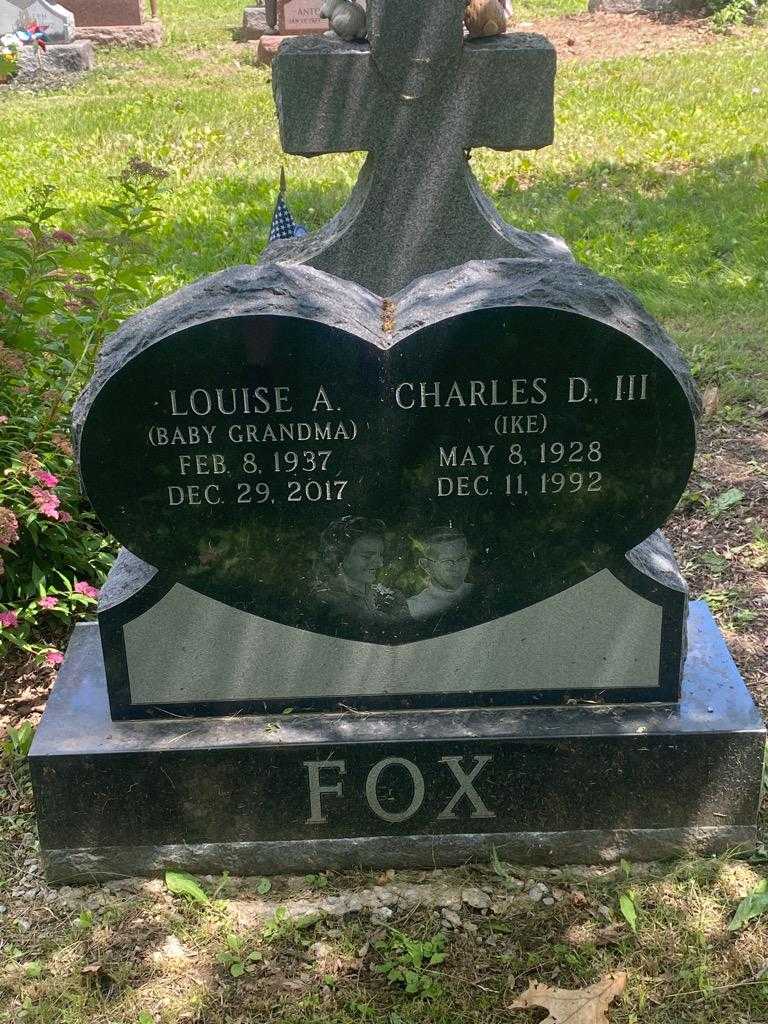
[
  {"x": 446, "y": 498},
  {"x": 473, "y": 464}
]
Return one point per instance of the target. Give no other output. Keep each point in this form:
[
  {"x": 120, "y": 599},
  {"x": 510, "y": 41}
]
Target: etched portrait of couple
[{"x": 351, "y": 560}]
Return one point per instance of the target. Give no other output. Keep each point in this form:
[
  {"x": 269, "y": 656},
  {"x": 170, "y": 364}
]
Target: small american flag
[{"x": 283, "y": 224}]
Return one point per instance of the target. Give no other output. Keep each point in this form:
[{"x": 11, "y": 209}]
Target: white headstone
[{"x": 19, "y": 13}]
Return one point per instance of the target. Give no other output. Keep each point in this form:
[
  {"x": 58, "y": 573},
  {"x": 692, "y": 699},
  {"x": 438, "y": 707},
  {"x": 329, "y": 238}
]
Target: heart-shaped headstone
[{"x": 388, "y": 470}]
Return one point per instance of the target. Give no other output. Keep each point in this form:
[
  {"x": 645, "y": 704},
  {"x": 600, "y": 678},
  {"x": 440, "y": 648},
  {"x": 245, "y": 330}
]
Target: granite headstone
[
  {"x": 108, "y": 12},
  {"x": 261, "y": 451},
  {"x": 416, "y": 462}
]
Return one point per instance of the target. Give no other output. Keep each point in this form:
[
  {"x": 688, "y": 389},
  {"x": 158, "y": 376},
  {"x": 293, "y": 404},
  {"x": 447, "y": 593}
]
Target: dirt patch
[
  {"x": 723, "y": 552},
  {"x": 588, "y": 37},
  {"x": 24, "y": 689}
]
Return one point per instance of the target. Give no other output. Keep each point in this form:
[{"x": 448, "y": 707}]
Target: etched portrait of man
[{"x": 445, "y": 561}]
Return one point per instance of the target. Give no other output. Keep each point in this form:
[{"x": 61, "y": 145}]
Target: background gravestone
[
  {"x": 109, "y": 12},
  {"x": 284, "y": 18},
  {"x": 63, "y": 53},
  {"x": 300, "y": 17},
  {"x": 19, "y": 13},
  {"x": 417, "y": 461},
  {"x": 117, "y": 22}
]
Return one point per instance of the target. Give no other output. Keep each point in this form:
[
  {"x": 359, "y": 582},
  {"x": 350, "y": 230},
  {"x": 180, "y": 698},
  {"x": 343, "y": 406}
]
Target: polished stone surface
[
  {"x": 417, "y": 100},
  {"x": 307, "y": 466},
  {"x": 188, "y": 648},
  {"x": 178, "y": 652},
  {"x": 255, "y": 794}
]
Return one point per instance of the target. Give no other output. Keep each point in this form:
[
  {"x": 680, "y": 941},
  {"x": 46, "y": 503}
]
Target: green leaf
[
  {"x": 237, "y": 969},
  {"x": 724, "y": 501},
  {"x": 182, "y": 884},
  {"x": 263, "y": 887},
  {"x": 751, "y": 906},
  {"x": 308, "y": 920},
  {"x": 145, "y": 1017},
  {"x": 34, "y": 969},
  {"x": 628, "y": 909}
]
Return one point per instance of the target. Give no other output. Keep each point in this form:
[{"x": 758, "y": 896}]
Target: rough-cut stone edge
[
  {"x": 265, "y": 290},
  {"x": 127, "y": 577},
  {"x": 300, "y": 291},
  {"x": 590, "y": 846},
  {"x": 149, "y": 34},
  {"x": 571, "y": 287},
  {"x": 654, "y": 557}
]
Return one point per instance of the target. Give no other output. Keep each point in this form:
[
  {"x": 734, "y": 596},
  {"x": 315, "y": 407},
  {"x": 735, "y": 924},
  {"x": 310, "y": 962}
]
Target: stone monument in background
[
  {"x": 393, "y": 590},
  {"x": 63, "y": 51},
  {"x": 59, "y": 20},
  {"x": 277, "y": 20},
  {"x": 118, "y": 22}
]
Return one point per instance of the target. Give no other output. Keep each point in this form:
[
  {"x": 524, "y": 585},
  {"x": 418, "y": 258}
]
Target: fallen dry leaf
[{"x": 579, "y": 1006}]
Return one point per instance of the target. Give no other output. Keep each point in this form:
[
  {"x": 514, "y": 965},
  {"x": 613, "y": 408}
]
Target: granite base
[
  {"x": 145, "y": 36},
  {"x": 260, "y": 794},
  {"x": 269, "y": 44},
  {"x": 57, "y": 58}
]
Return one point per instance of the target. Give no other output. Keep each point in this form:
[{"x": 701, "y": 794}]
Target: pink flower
[
  {"x": 54, "y": 657},
  {"x": 11, "y": 361},
  {"x": 9, "y": 619},
  {"x": 45, "y": 477},
  {"x": 48, "y": 602},
  {"x": 46, "y": 501},
  {"x": 63, "y": 236},
  {"x": 81, "y": 587},
  {"x": 65, "y": 517},
  {"x": 3, "y": 419},
  {"x": 25, "y": 233},
  {"x": 9, "y": 527},
  {"x": 62, "y": 443}
]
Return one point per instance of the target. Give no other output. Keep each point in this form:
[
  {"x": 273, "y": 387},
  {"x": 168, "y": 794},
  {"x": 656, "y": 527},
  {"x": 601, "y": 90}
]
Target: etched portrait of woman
[{"x": 350, "y": 558}]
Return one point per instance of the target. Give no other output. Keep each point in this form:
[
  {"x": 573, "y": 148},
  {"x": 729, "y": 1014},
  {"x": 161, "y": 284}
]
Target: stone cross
[{"x": 415, "y": 99}]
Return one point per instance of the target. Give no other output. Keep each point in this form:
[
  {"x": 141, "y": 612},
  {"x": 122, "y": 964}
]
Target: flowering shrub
[
  {"x": 11, "y": 44},
  {"x": 59, "y": 297}
]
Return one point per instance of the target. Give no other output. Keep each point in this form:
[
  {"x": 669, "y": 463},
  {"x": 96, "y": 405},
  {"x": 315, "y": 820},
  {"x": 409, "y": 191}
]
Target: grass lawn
[{"x": 658, "y": 177}]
